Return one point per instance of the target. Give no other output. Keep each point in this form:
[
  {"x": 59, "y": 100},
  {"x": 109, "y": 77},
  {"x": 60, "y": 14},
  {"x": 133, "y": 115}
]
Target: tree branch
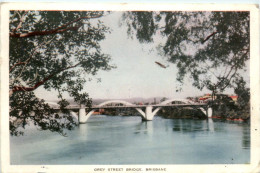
[
  {"x": 20, "y": 23},
  {"x": 23, "y": 88},
  {"x": 28, "y": 59},
  {"x": 60, "y": 29},
  {"x": 37, "y": 33},
  {"x": 208, "y": 37},
  {"x": 17, "y": 64},
  {"x": 229, "y": 76},
  {"x": 76, "y": 20}
]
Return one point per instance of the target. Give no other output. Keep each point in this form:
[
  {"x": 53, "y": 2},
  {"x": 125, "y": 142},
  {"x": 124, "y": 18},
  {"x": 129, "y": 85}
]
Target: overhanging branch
[
  {"x": 37, "y": 33},
  {"x": 208, "y": 37},
  {"x": 229, "y": 76},
  {"x": 21, "y": 21},
  {"x": 60, "y": 29},
  {"x": 38, "y": 84},
  {"x": 17, "y": 64}
]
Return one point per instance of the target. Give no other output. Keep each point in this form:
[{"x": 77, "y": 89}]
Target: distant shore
[{"x": 187, "y": 113}]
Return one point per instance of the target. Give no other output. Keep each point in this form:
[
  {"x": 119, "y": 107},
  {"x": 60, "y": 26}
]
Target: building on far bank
[
  {"x": 234, "y": 98},
  {"x": 207, "y": 97}
]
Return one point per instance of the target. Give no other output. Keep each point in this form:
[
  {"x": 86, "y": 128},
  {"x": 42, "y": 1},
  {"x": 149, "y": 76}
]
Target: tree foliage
[
  {"x": 211, "y": 48},
  {"x": 243, "y": 93},
  {"x": 54, "y": 50}
]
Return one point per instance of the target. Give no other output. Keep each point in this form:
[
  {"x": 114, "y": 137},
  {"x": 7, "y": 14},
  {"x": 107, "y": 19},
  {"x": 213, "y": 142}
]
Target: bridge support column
[
  {"x": 148, "y": 113},
  {"x": 209, "y": 112},
  {"x": 82, "y": 114}
]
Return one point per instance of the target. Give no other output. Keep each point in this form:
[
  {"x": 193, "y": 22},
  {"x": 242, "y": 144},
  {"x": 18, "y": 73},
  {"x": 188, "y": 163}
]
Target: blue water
[{"x": 127, "y": 140}]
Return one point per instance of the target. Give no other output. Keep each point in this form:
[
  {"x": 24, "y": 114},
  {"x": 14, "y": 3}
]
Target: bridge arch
[
  {"x": 115, "y": 101},
  {"x": 184, "y": 101},
  {"x": 147, "y": 115},
  {"x": 83, "y": 117}
]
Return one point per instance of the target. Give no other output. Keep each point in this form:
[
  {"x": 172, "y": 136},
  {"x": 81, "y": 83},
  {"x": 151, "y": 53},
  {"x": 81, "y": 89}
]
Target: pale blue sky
[{"x": 136, "y": 74}]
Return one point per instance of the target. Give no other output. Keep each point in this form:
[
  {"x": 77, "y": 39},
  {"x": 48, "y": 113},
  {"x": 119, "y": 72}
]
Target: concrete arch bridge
[{"x": 150, "y": 110}]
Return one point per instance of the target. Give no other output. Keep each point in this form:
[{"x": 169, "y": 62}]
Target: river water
[{"x": 127, "y": 140}]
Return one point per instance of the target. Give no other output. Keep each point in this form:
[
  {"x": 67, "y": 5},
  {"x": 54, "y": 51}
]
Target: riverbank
[
  {"x": 188, "y": 113},
  {"x": 184, "y": 113},
  {"x": 224, "y": 114}
]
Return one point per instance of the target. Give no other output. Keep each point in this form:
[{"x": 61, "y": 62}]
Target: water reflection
[
  {"x": 83, "y": 130},
  {"x": 211, "y": 125},
  {"x": 185, "y": 125},
  {"x": 129, "y": 140},
  {"x": 242, "y": 129},
  {"x": 145, "y": 127},
  {"x": 246, "y": 137}
]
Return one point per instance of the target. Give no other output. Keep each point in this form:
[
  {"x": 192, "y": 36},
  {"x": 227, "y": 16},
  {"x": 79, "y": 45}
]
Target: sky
[{"x": 137, "y": 74}]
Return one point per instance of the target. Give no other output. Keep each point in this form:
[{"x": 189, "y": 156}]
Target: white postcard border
[{"x": 254, "y": 84}]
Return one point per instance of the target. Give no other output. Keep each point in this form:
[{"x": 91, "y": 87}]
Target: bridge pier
[
  {"x": 209, "y": 112},
  {"x": 148, "y": 113},
  {"x": 82, "y": 114}
]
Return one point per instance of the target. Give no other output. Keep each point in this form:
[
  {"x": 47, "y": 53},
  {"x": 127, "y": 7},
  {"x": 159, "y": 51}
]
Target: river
[{"x": 117, "y": 140}]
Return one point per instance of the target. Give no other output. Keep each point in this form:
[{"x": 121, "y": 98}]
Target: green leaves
[
  {"x": 53, "y": 49},
  {"x": 242, "y": 92},
  {"x": 143, "y": 23},
  {"x": 209, "y": 47}
]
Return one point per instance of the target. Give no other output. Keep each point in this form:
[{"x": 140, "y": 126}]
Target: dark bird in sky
[{"x": 161, "y": 65}]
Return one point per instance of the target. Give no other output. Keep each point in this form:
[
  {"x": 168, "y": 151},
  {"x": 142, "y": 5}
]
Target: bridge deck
[
  {"x": 154, "y": 106},
  {"x": 139, "y": 106}
]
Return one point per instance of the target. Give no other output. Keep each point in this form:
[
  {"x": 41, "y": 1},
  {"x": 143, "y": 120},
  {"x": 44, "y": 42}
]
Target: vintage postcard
[{"x": 143, "y": 88}]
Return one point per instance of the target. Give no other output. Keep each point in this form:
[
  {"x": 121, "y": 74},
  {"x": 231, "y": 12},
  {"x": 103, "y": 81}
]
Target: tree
[
  {"x": 53, "y": 50},
  {"x": 243, "y": 94},
  {"x": 211, "y": 48}
]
